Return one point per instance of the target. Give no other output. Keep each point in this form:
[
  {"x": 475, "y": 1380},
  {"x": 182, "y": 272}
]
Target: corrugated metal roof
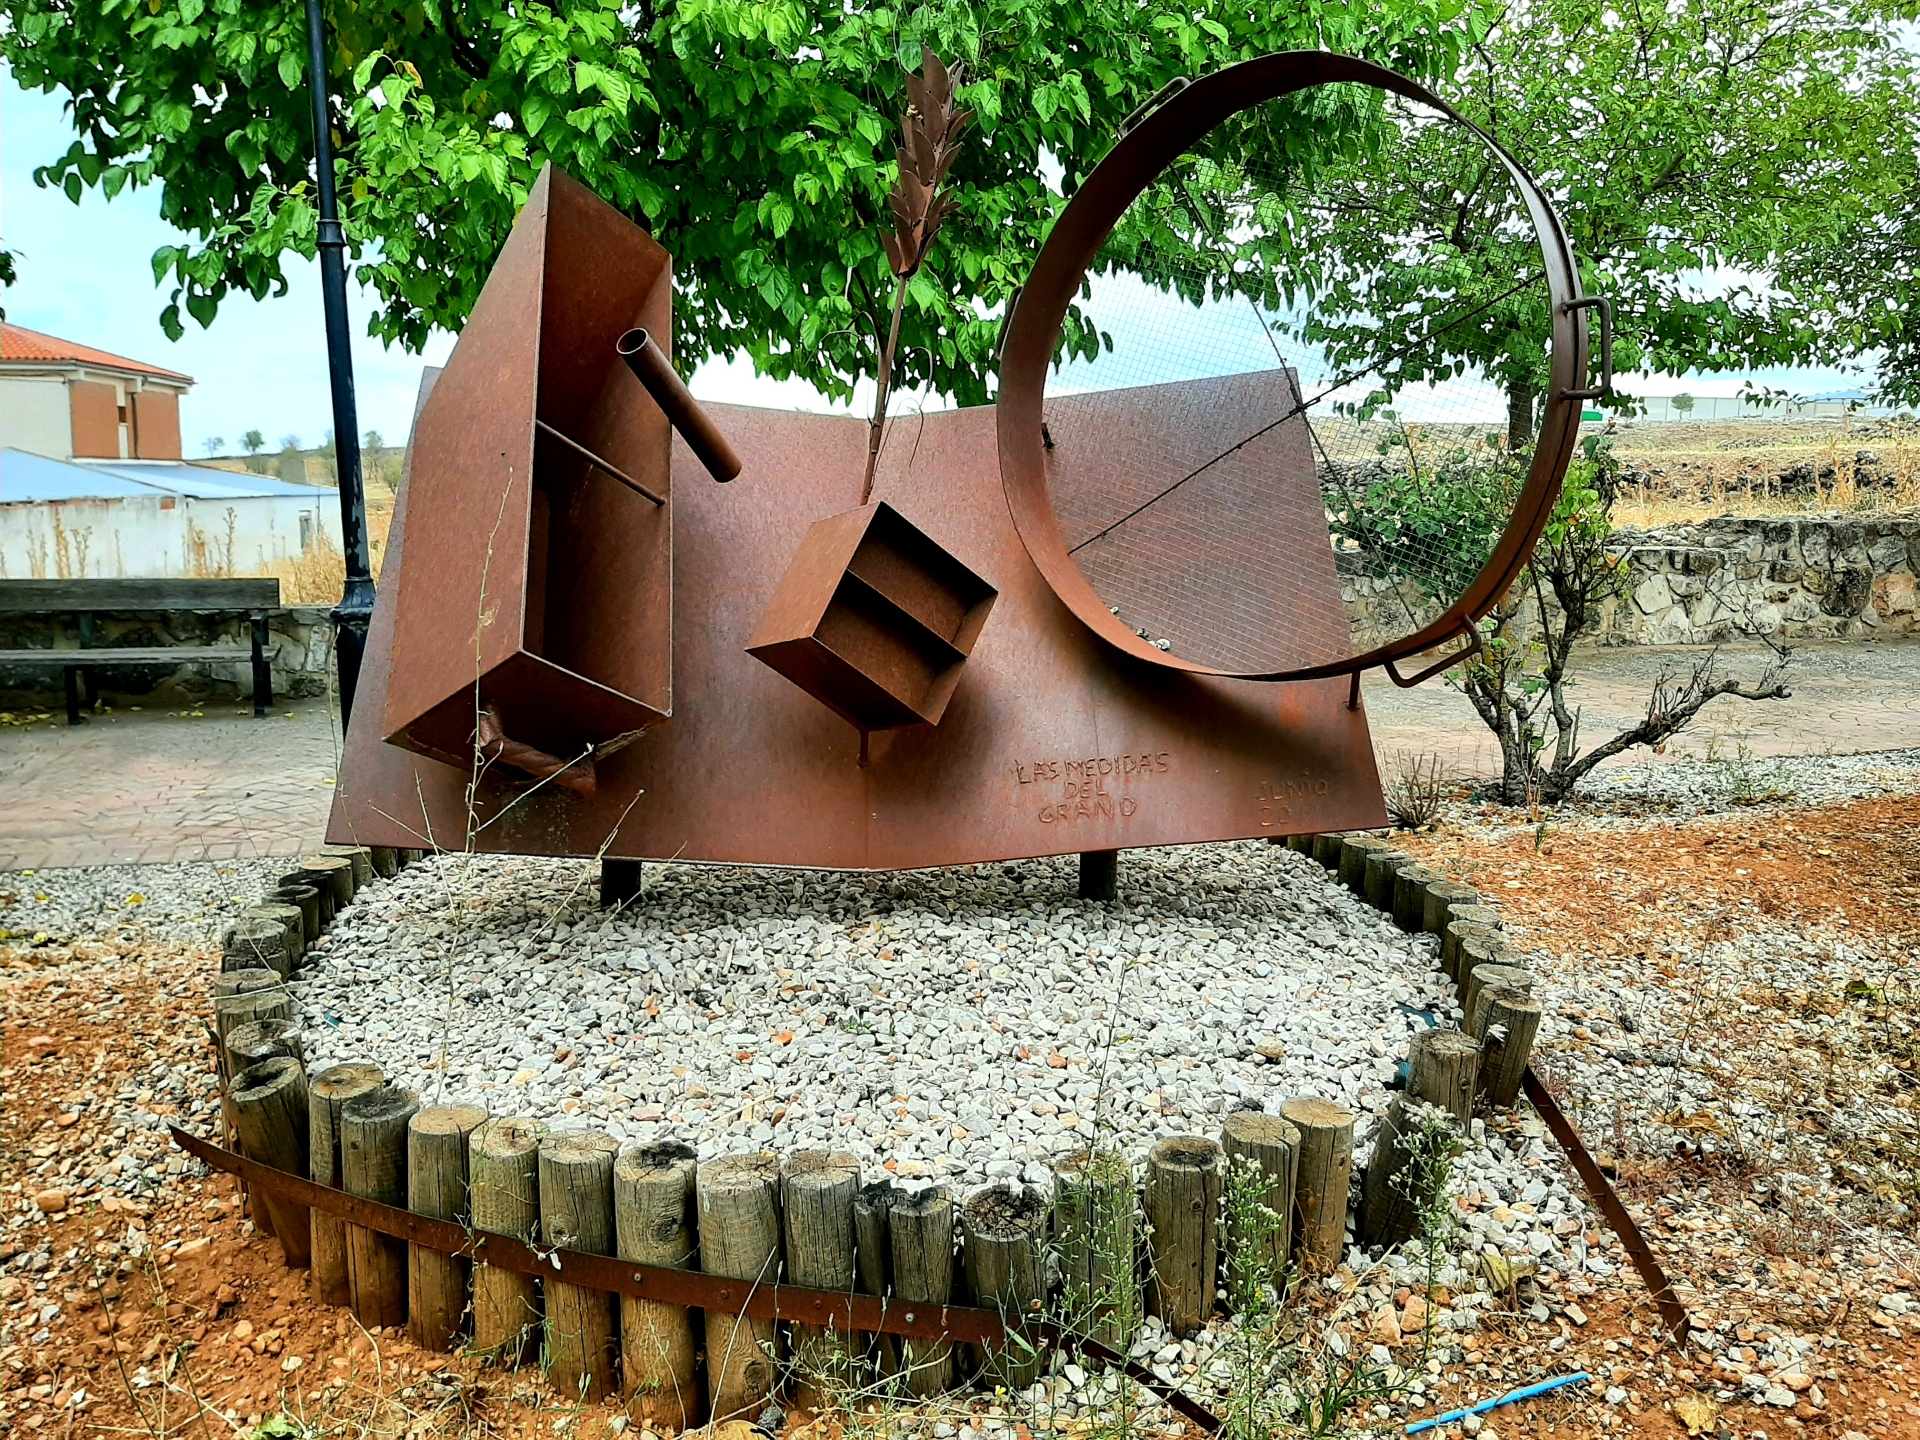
[
  {"x": 25, "y": 478},
  {"x": 203, "y": 482},
  {"x": 19, "y": 343}
]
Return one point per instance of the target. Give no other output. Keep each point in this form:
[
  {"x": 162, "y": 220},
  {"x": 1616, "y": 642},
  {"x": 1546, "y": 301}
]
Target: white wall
[
  {"x": 160, "y": 535},
  {"x": 34, "y": 415}
]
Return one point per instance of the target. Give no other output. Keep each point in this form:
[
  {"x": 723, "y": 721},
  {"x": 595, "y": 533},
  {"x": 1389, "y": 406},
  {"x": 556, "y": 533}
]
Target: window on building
[{"x": 306, "y": 528}]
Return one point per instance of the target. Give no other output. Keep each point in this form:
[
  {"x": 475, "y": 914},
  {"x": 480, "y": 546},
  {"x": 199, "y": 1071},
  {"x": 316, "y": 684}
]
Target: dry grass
[
  {"x": 317, "y": 575},
  {"x": 1733, "y": 467}
]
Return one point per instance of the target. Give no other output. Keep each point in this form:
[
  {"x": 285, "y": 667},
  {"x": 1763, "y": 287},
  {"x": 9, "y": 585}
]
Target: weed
[{"x": 1417, "y": 790}]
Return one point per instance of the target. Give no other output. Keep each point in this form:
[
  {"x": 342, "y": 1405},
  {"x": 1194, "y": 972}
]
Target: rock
[
  {"x": 50, "y": 1202},
  {"x": 1384, "y": 1326},
  {"x": 1616, "y": 1395},
  {"x": 1576, "y": 1314}
]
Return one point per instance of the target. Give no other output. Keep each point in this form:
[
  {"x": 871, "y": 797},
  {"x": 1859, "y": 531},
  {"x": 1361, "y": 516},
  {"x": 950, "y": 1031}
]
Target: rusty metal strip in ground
[
  {"x": 1655, "y": 1278},
  {"x": 667, "y": 1286}
]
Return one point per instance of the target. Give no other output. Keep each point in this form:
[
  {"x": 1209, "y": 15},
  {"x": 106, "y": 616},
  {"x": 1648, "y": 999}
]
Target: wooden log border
[{"x": 964, "y": 1324}]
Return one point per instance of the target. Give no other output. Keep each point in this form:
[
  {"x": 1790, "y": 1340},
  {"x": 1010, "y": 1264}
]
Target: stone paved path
[{"x": 158, "y": 785}]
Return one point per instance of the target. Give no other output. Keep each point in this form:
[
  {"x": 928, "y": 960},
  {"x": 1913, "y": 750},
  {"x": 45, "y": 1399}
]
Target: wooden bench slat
[
  {"x": 158, "y": 655},
  {"x": 24, "y": 597}
]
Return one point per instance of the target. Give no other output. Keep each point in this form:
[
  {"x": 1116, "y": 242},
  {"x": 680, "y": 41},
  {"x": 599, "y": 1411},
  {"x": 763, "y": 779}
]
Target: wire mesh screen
[{"x": 1304, "y": 366}]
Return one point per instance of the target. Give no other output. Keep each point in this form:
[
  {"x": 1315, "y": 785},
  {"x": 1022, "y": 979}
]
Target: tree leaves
[{"x": 687, "y": 118}]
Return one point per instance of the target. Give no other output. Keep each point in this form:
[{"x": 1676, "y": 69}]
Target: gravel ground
[{"x": 1662, "y": 788}]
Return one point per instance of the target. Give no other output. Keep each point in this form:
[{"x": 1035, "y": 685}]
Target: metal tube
[
  {"x": 651, "y": 367},
  {"x": 355, "y": 610},
  {"x": 604, "y": 466}
]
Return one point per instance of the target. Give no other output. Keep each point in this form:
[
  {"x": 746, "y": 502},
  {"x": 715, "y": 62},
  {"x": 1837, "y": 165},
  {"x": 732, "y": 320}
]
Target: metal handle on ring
[
  {"x": 1605, "y": 307},
  {"x": 1475, "y": 645}
]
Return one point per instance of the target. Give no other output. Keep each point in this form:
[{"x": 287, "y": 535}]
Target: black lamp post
[{"x": 355, "y": 609}]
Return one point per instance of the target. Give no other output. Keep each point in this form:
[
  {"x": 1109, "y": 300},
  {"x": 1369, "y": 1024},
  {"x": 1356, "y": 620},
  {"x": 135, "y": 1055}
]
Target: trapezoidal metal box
[
  {"x": 874, "y": 619},
  {"x": 538, "y": 579}
]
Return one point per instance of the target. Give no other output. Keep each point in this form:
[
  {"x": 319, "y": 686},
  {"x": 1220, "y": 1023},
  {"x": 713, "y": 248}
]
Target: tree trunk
[{"x": 1520, "y": 394}]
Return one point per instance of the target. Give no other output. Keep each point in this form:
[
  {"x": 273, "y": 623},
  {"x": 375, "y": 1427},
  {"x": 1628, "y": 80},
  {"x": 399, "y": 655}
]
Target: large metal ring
[{"x": 1139, "y": 156}]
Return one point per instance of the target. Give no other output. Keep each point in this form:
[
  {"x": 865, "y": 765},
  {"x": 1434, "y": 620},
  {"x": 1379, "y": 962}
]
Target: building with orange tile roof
[{"x": 69, "y": 401}]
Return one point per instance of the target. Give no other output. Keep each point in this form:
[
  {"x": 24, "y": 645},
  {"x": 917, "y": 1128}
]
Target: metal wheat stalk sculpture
[{"x": 931, "y": 130}]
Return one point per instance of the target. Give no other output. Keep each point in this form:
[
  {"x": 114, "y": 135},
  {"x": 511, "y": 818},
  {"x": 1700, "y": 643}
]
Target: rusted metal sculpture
[
  {"x": 1028, "y": 415},
  {"x": 540, "y": 552},
  {"x": 874, "y": 619},
  {"x": 541, "y": 589}
]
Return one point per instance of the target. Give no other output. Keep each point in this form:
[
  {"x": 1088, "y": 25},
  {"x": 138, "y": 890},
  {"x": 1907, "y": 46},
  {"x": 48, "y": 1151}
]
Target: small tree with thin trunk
[
  {"x": 1683, "y": 403},
  {"x": 1519, "y": 683}
]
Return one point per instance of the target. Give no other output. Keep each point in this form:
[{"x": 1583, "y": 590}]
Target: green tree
[
  {"x": 213, "y": 445},
  {"x": 1683, "y": 403},
  {"x": 753, "y": 138},
  {"x": 1691, "y": 148},
  {"x": 254, "y": 442}
]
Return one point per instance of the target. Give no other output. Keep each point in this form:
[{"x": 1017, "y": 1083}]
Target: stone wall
[
  {"x": 301, "y": 668},
  {"x": 1799, "y": 578},
  {"x": 1804, "y": 578}
]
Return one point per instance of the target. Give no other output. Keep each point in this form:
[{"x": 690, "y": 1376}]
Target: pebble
[{"x": 50, "y": 1202}]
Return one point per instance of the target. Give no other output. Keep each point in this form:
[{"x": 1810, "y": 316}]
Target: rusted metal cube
[{"x": 874, "y": 619}]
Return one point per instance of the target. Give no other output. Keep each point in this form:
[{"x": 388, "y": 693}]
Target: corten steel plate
[
  {"x": 538, "y": 578},
  {"x": 1052, "y": 743},
  {"x": 1091, "y": 583}
]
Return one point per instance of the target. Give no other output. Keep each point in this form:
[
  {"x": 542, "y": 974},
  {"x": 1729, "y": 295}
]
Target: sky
[{"x": 85, "y": 275}]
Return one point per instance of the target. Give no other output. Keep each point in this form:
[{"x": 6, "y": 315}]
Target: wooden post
[
  {"x": 437, "y": 1187},
  {"x": 386, "y": 861},
  {"x": 1324, "y": 1174},
  {"x": 1099, "y": 874},
  {"x": 1410, "y": 896},
  {"x": 327, "y": 1092},
  {"x": 1456, "y": 931},
  {"x": 576, "y": 1213},
  {"x": 255, "y": 942},
  {"x": 1300, "y": 844},
  {"x": 1326, "y": 848},
  {"x": 1392, "y": 1196},
  {"x": 360, "y": 857},
  {"x": 1511, "y": 977},
  {"x": 619, "y": 881},
  {"x": 1481, "y": 914},
  {"x": 503, "y": 1191},
  {"x": 1354, "y": 850},
  {"x": 921, "y": 1227},
  {"x": 306, "y": 899},
  {"x": 817, "y": 1191},
  {"x": 1004, "y": 1227},
  {"x": 739, "y": 1198},
  {"x": 873, "y": 1262},
  {"x": 653, "y": 1216},
  {"x": 1268, "y": 1146},
  {"x": 1444, "y": 897},
  {"x": 1512, "y": 1022},
  {"x": 1093, "y": 1223},
  {"x": 290, "y": 918},
  {"x": 1186, "y": 1180},
  {"x": 1382, "y": 866},
  {"x": 230, "y": 1012},
  {"x": 373, "y": 1165},
  {"x": 259, "y": 1040},
  {"x": 332, "y": 876},
  {"x": 1473, "y": 952},
  {"x": 242, "y": 982},
  {"x": 1442, "y": 1067},
  {"x": 270, "y": 1118}
]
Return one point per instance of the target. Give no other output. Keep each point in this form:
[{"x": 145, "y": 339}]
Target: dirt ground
[{"x": 173, "y": 1318}]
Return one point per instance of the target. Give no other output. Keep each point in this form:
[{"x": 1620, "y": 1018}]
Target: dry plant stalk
[
  {"x": 1417, "y": 790},
  {"x": 931, "y": 131}
]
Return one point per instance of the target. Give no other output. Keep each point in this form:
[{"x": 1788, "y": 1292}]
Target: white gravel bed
[
  {"x": 179, "y": 904},
  {"x": 958, "y": 1024}
]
